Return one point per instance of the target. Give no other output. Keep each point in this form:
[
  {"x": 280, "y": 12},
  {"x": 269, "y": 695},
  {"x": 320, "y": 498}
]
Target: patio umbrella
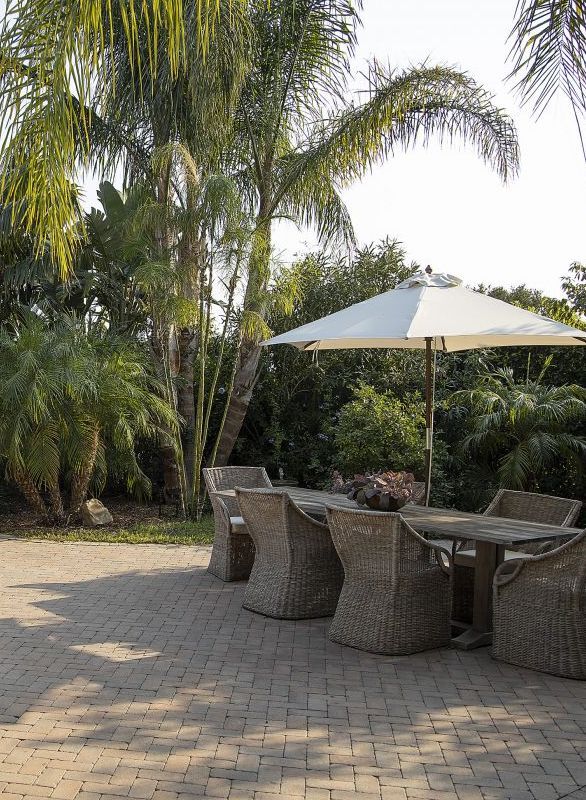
[{"x": 433, "y": 312}]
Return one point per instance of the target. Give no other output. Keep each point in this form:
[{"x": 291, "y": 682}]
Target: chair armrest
[
  {"x": 550, "y": 546},
  {"x": 220, "y": 506},
  {"x": 559, "y": 550},
  {"x": 321, "y": 526},
  {"x": 439, "y": 552},
  {"x": 437, "y": 549},
  {"x": 508, "y": 571}
]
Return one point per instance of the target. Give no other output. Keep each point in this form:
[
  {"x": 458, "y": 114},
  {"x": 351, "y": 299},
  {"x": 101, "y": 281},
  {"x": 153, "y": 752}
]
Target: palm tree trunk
[
  {"x": 31, "y": 494},
  {"x": 244, "y": 383},
  {"x": 192, "y": 261},
  {"x": 56, "y": 504},
  {"x": 188, "y": 344},
  {"x": 169, "y": 444},
  {"x": 214, "y": 383},
  {"x": 81, "y": 478},
  {"x": 249, "y": 352},
  {"x": 164, "y": 347}
]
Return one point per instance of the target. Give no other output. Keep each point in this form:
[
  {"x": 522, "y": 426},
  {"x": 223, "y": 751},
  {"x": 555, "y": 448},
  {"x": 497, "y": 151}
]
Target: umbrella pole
[{"x": 429, "y": 380}]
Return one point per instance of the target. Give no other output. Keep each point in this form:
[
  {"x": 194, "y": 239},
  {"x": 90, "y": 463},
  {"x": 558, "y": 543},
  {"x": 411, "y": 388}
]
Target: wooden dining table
[{"x": 491, "y": 535}]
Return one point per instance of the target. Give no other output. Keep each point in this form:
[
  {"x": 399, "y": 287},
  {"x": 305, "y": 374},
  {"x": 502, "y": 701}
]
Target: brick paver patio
[{"x": 129, "y": 671}]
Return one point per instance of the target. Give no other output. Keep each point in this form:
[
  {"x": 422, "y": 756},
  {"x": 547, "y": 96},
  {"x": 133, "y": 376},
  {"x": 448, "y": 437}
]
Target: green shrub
[{"x": 376, "y": 430}]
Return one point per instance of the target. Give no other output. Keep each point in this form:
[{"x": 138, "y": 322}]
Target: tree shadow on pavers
[
  {"x": 145, "y": 637},
  {"x": 129, "y": 632},
  {"x": 167, "y": 662},
  {"x": 478, "y": 725}
]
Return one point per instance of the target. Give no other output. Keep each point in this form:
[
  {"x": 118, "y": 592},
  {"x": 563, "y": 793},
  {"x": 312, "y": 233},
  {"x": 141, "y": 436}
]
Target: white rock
[{"x": 94, "y": 514}]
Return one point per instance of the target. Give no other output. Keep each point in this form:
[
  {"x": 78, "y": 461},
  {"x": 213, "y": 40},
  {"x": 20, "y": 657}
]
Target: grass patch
[{"x": 176, "y": 532}]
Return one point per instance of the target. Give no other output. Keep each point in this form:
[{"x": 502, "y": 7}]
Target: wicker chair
[
  {"x": 233, "y": 551},
  {"x": 539, "y": 610},
  {"x": 397, "y": 587},
  {"x": 297, "y": 573},
  {"x": 418, "y": 498},
  {"x": 524, "y": 506}
]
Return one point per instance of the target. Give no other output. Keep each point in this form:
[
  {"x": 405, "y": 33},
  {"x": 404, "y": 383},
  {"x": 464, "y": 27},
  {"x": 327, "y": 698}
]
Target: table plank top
[{"x": 442, "y": 521}]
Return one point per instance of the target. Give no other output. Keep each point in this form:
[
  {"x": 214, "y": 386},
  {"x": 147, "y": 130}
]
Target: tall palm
[
  {"x": 169, "y": 140},
  {"x": 291, "y": 159},
  {"x": 169, "y": 300},
  {"x": 54, "y": 61},
  {"x": 208, "y": 233},
  {"x": 523, "y": 428}
]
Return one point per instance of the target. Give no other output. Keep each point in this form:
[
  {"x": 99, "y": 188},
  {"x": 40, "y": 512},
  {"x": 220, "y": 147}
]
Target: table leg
[{"x": 488, "y": 557}]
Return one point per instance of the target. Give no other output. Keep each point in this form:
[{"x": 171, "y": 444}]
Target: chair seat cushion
[
  {"x": 237, "y": 525},
  {"x": 466, "y": 558}
]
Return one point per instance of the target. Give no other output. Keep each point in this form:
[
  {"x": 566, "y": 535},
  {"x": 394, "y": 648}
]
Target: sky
[{"x": 445, "y": 205}]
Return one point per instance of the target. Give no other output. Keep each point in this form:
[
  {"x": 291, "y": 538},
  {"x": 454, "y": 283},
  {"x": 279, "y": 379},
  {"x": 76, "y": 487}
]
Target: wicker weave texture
[
  {"x": 539, "y": 611},
  {"x": 397, "y": 591},
  {"x": 233, "y": 552},
  {"x": 297, "y": 573},
  {"x": 418, "y": 493},
  {"x": 531, "y": 507},
  {"x": 525, "y": 506}
]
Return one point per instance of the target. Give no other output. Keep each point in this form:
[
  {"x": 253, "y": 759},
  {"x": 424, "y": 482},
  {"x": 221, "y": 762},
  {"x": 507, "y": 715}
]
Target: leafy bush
[
  {"x": 67, "y": 398},
  {"x": 376, "y": 430},
  {"x": 523, "y": 430}
]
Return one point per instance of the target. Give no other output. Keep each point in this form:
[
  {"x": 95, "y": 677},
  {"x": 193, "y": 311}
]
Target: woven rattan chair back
[
  {"x": 525, "y": 506},
  {"x": 221, "y": 478},
  {"x": 233, "y": 551},
  {"x": 539, "y": 611},
  {"x": 297, "y": 573},
  {"x": 418, "y": 493},
  {"x": 396, "y": 593},
  {"x": 531, "y": 507},
  {"x": 373, "y": 545}
]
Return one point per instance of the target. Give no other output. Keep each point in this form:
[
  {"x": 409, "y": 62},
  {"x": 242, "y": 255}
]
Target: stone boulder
[{"x": 95, "y": 514}]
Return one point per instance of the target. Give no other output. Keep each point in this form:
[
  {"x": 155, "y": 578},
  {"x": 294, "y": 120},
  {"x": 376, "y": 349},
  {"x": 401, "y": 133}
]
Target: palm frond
[
  {"x": 515, "y": 467},
  {"x": 53, "y": 61},
  {"x": 314, "y": 201},
  {"x": 549, "y": 51},
  {"x": 253, "y": 326},
  {"x": 411, "y": 107}
]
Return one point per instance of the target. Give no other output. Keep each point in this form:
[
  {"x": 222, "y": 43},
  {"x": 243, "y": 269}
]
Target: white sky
[{"x": 445, "y": 205}]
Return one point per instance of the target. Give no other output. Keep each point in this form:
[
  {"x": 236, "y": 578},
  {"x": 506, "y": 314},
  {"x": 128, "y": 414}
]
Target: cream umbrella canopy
[{"x": 430, "y": 311}]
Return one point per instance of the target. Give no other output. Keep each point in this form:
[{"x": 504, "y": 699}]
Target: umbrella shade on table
[{"x": 432, "y": 312}]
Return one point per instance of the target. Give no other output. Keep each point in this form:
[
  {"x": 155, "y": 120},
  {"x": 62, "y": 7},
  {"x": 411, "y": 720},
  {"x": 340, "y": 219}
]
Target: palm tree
[
  {"x": 522, "y": 429},
  {"x": 31, "y": 380},
  {"x": 122, "y": 404},
  {"x": 169, "y": 139},
  {"x": 55, "y": 60},
  {"x": 66, "y": 399},
  {"x": 291, "y": 159}
]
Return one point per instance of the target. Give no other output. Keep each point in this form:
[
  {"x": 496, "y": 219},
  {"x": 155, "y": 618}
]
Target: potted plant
[{"x": 381, "y": 491}]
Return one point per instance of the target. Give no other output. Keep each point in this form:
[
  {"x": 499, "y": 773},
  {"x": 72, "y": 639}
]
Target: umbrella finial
[{"x": 428, "y": 269}]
